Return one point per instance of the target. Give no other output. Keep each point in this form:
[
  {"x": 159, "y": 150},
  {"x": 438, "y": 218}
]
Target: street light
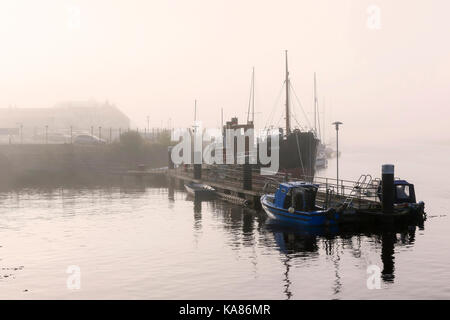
[
  {"x": 20, "y": 125},
  {"x": 337, "y": 124}
]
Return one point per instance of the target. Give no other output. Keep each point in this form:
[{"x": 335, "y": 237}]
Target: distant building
[{"x": 81, "y": 115}]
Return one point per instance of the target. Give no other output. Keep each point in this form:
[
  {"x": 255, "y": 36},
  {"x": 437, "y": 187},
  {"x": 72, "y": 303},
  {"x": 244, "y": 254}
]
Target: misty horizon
[{"x": 147, "y": 57}]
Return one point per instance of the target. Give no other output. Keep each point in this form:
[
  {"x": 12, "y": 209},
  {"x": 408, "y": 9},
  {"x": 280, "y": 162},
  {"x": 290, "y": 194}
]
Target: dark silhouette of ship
[{"x": 297, "y": 148}]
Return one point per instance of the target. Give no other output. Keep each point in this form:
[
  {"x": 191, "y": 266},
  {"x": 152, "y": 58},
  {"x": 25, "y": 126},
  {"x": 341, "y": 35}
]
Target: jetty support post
[
  {"x": 169, "y": 158},
  {"x": 197, "y": 166},
  {"x": 247, "y": 174},
  {"x": 387, "y": 188}
]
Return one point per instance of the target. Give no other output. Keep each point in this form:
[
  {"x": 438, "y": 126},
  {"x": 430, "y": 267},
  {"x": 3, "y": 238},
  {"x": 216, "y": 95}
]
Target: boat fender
[{"x": 291, "y": 210}]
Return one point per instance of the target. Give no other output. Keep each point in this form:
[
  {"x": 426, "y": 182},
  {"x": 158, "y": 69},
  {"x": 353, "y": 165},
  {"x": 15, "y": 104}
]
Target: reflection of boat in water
[
  {"x": 304, "y": 242},
  {"x": 296, "y": 202},
  {"x": 199, "y": 190},
  {"x": 291, "y": 239}
]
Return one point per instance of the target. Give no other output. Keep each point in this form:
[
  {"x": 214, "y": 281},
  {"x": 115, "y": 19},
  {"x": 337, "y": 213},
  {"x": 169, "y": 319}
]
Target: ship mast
[
  {"x": 315, "y": 104},
  {"x": 251, "y": 100},
  {"x": 316, "y": 111},
  {"x": 288, "y": 120},
  {"x": 195, "y": 110},
  {"x": 195, "y": 116}
]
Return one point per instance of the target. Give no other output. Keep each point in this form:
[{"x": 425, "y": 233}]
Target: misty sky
[{"x": 155, "y": 57}]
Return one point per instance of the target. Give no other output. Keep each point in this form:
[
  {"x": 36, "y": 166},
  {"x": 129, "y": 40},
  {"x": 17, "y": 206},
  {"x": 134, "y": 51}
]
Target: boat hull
[
  {"x": 314, "y": 218},
  {"x": 298, "y": 152}
]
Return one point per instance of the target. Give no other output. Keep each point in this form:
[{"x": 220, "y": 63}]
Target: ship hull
[{"x": 298, "y": 152}]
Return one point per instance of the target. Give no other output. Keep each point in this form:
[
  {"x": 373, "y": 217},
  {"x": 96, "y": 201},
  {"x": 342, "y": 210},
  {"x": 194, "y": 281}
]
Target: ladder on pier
[{"x": 360, "y": 187}]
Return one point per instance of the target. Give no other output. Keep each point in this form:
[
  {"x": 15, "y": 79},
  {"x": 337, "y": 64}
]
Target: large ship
[{"x": 297, "y": 147}]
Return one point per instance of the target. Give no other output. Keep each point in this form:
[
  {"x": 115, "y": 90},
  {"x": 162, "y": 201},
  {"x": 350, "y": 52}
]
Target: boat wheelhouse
[{"x": 296, "y": 202}]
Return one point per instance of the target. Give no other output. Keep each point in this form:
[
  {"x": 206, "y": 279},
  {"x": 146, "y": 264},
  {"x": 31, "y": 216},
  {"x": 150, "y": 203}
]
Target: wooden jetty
[{"x": 237, "y": 184}]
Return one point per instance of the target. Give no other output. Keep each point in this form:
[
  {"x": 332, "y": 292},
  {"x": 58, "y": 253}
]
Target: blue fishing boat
[{"x": 296, "y": 202}]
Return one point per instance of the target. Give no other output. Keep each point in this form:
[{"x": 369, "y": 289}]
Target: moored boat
[
  {"x": 296, "y": 202},
  {"x": 200, "y": 190}
]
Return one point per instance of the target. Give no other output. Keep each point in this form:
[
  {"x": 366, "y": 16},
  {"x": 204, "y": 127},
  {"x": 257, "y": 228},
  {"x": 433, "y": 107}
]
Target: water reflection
[
  {"x": 298, "y": 244},
  {"x": 293, "y": 260},
  {"x": 197, "y": 215}
]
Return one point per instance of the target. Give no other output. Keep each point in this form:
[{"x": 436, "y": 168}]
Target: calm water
[{"x": 137, "y": 242}]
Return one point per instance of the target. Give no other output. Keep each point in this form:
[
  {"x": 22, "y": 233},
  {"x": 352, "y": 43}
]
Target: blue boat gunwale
[{"x": 289, "y": 215}]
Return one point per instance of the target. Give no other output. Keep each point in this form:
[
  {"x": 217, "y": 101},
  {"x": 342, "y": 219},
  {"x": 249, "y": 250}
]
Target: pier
[
  {"x": 358, "y": 200},
  {"x": 247, "y": 184}
]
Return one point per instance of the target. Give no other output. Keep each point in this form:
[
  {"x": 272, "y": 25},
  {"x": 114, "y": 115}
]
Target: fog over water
[{"x": 147, "y": 241}]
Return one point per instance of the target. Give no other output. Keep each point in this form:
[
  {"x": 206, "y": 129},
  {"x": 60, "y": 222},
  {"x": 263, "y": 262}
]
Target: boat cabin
[
  {"x": 404, "y": 192},
  {"x": 299, "y": 195}
]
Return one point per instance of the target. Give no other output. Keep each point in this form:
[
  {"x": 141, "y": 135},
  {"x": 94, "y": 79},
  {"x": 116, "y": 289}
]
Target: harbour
[
  {"x": 224, "y": 155},
  {"x": 174, "y": 247}
]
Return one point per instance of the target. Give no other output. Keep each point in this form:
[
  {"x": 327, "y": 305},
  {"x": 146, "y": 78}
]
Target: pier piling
[
  {"x": 169, "y": 157},
  {"x": 247, "y": 176},
  {"x": 387, "y": 188}
]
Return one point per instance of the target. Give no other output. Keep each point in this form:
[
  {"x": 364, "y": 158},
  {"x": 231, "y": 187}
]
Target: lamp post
[
  {"x": 21, "y": 133},
  {"x": 337, "y": 124}
]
